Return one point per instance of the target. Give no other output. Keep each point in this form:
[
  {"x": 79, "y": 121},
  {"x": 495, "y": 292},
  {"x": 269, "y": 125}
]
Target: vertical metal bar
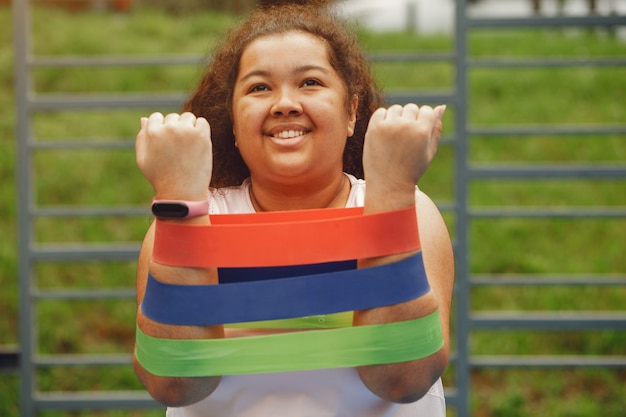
[
  {"x": 462, "y": 290},
  {"x": 21, "y": 36},
  {"x": 411, "y": 16}
]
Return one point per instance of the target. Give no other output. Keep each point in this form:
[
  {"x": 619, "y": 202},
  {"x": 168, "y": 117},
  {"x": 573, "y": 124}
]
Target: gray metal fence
[{"x": 467, "y": 320}]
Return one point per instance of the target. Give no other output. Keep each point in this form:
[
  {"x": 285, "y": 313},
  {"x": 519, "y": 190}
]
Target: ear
[{"x": 354, "y": 105}]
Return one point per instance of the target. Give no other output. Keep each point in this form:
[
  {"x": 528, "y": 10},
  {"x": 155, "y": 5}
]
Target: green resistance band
[
  {"x": 323, "y": 321},
  {"x": 297, "y": 351}
]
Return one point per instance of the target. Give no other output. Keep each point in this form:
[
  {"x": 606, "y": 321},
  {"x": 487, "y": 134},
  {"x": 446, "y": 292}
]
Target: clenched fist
[
  {"x": 400, "y": 144},
  {"x": 174, "y": 153}
]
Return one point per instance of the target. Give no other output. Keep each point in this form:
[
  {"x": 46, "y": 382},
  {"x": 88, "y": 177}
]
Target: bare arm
[
  {"x": 392, "y": 170},
  {"x": 174, "y": 154},
  {"x": 409, "y": 381},
  {"x": 168, "y": 390}
]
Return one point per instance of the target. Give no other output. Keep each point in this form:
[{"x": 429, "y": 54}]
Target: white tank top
[{"x": 318, "y": 393}]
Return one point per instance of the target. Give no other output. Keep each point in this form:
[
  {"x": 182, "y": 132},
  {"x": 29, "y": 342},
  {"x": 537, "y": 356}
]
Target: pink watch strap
[{"x": 179, "y": 209}]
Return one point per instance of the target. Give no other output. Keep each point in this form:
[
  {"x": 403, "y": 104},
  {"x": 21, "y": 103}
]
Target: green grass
[{"x": 537, "y": 97}]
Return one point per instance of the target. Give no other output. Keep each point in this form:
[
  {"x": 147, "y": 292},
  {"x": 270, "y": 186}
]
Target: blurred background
[{"x": 531, "y": 178}]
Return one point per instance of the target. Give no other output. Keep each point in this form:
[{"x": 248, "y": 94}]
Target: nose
[{"x": 286, "y": 103}]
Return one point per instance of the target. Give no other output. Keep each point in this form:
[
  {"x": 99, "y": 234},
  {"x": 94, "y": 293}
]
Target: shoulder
[
  {"x": 426, "y": 207},
  {"x": 229, "y": 200},
  {"x": 357, "y": 192}
]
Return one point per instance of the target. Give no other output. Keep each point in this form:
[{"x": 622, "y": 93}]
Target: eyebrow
[{"x": 297, "y": 70}]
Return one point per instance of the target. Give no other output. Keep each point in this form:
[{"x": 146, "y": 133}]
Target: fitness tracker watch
[{"x": 177, "y": 209}]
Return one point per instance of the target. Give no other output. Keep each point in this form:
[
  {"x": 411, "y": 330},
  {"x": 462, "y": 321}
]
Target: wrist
[
  {"x": 181, "y": 189},
  {"x": 185, "y": 195},
  {"x": 387, "y": 197}
]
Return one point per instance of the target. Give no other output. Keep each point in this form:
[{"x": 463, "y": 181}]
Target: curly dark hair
[{"x": 212, "y": 98}]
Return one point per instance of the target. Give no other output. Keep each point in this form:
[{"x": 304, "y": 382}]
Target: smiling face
[{"x": 290, "y": 117}]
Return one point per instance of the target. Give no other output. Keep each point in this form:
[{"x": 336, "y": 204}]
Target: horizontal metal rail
[
  {"x": 56, "y": 102},
  {"x": 433, "y": 98},
  {"x": 114, "y": 61},
  {"x": 125, "y": 143},
  {"x": 547, "y": 171},
  {"x": 81, "y": 143},
  {"x": 509, "y": 280},
  {"x": 404, "y": 57},
  {"x": 590, "y": 213},
  {"x": 86, "y": 294},
  {"x": 94, "y": 400},
  {"x": 548, "y": 320},
  {"x": 533, "y": 62},
  {"x": 84, "y": 252},
  {"x": 547, "y": 361},
  {"x": 75, "y": 211},
  {"x": 67, "y": 360},
  {"x": 547, "y": 130},
  {"x": 195, "y": 60},
  {"x": 546, "y": 22}
]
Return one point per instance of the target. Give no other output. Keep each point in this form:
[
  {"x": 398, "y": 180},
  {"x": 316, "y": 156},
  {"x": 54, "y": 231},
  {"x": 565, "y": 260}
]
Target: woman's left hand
[{"x": 400, "y": 144}]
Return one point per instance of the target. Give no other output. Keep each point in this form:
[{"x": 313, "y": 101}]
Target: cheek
[
  {"x": 248, "y": 114},
  {"x": 241, "y": 118}
]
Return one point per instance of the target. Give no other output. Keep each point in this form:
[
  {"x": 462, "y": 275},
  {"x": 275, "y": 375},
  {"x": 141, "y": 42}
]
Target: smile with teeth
[{"x": 288, "y": 134}]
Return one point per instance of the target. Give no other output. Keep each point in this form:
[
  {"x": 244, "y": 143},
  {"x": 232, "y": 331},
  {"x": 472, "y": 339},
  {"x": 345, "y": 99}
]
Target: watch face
[{"x": 170, "y": 210}]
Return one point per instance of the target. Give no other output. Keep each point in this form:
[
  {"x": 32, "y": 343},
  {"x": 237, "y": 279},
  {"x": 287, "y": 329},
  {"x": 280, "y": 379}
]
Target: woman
[{"x": 287, "y": 118}]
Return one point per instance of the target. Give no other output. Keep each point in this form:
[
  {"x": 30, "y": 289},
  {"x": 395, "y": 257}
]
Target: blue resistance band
[{"x": 286, "y": 297}]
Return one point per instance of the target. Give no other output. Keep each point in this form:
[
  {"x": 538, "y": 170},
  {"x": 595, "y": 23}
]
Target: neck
[{"x": 331, "y": 194}]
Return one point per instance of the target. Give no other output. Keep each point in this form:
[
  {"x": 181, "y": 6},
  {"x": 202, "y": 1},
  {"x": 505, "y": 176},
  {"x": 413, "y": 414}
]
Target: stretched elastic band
[
  {"x": 335, "y": 236},
  {"x": 283, "y": 298},
  {"x": 321, "y": 321},
  {"x": 296, "y": 351}
]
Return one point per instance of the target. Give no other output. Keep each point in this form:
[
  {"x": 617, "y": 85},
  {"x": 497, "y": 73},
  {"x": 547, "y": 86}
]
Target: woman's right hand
[{"x": 175, "y": 154}]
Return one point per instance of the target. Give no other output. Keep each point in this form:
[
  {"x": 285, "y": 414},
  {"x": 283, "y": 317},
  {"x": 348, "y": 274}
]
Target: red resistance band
[{"x": 286, "y": 238}]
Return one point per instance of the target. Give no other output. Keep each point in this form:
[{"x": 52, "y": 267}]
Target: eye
[
  {"x": 311, "y": 82},
  {"x": 259, "y": 88}
]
